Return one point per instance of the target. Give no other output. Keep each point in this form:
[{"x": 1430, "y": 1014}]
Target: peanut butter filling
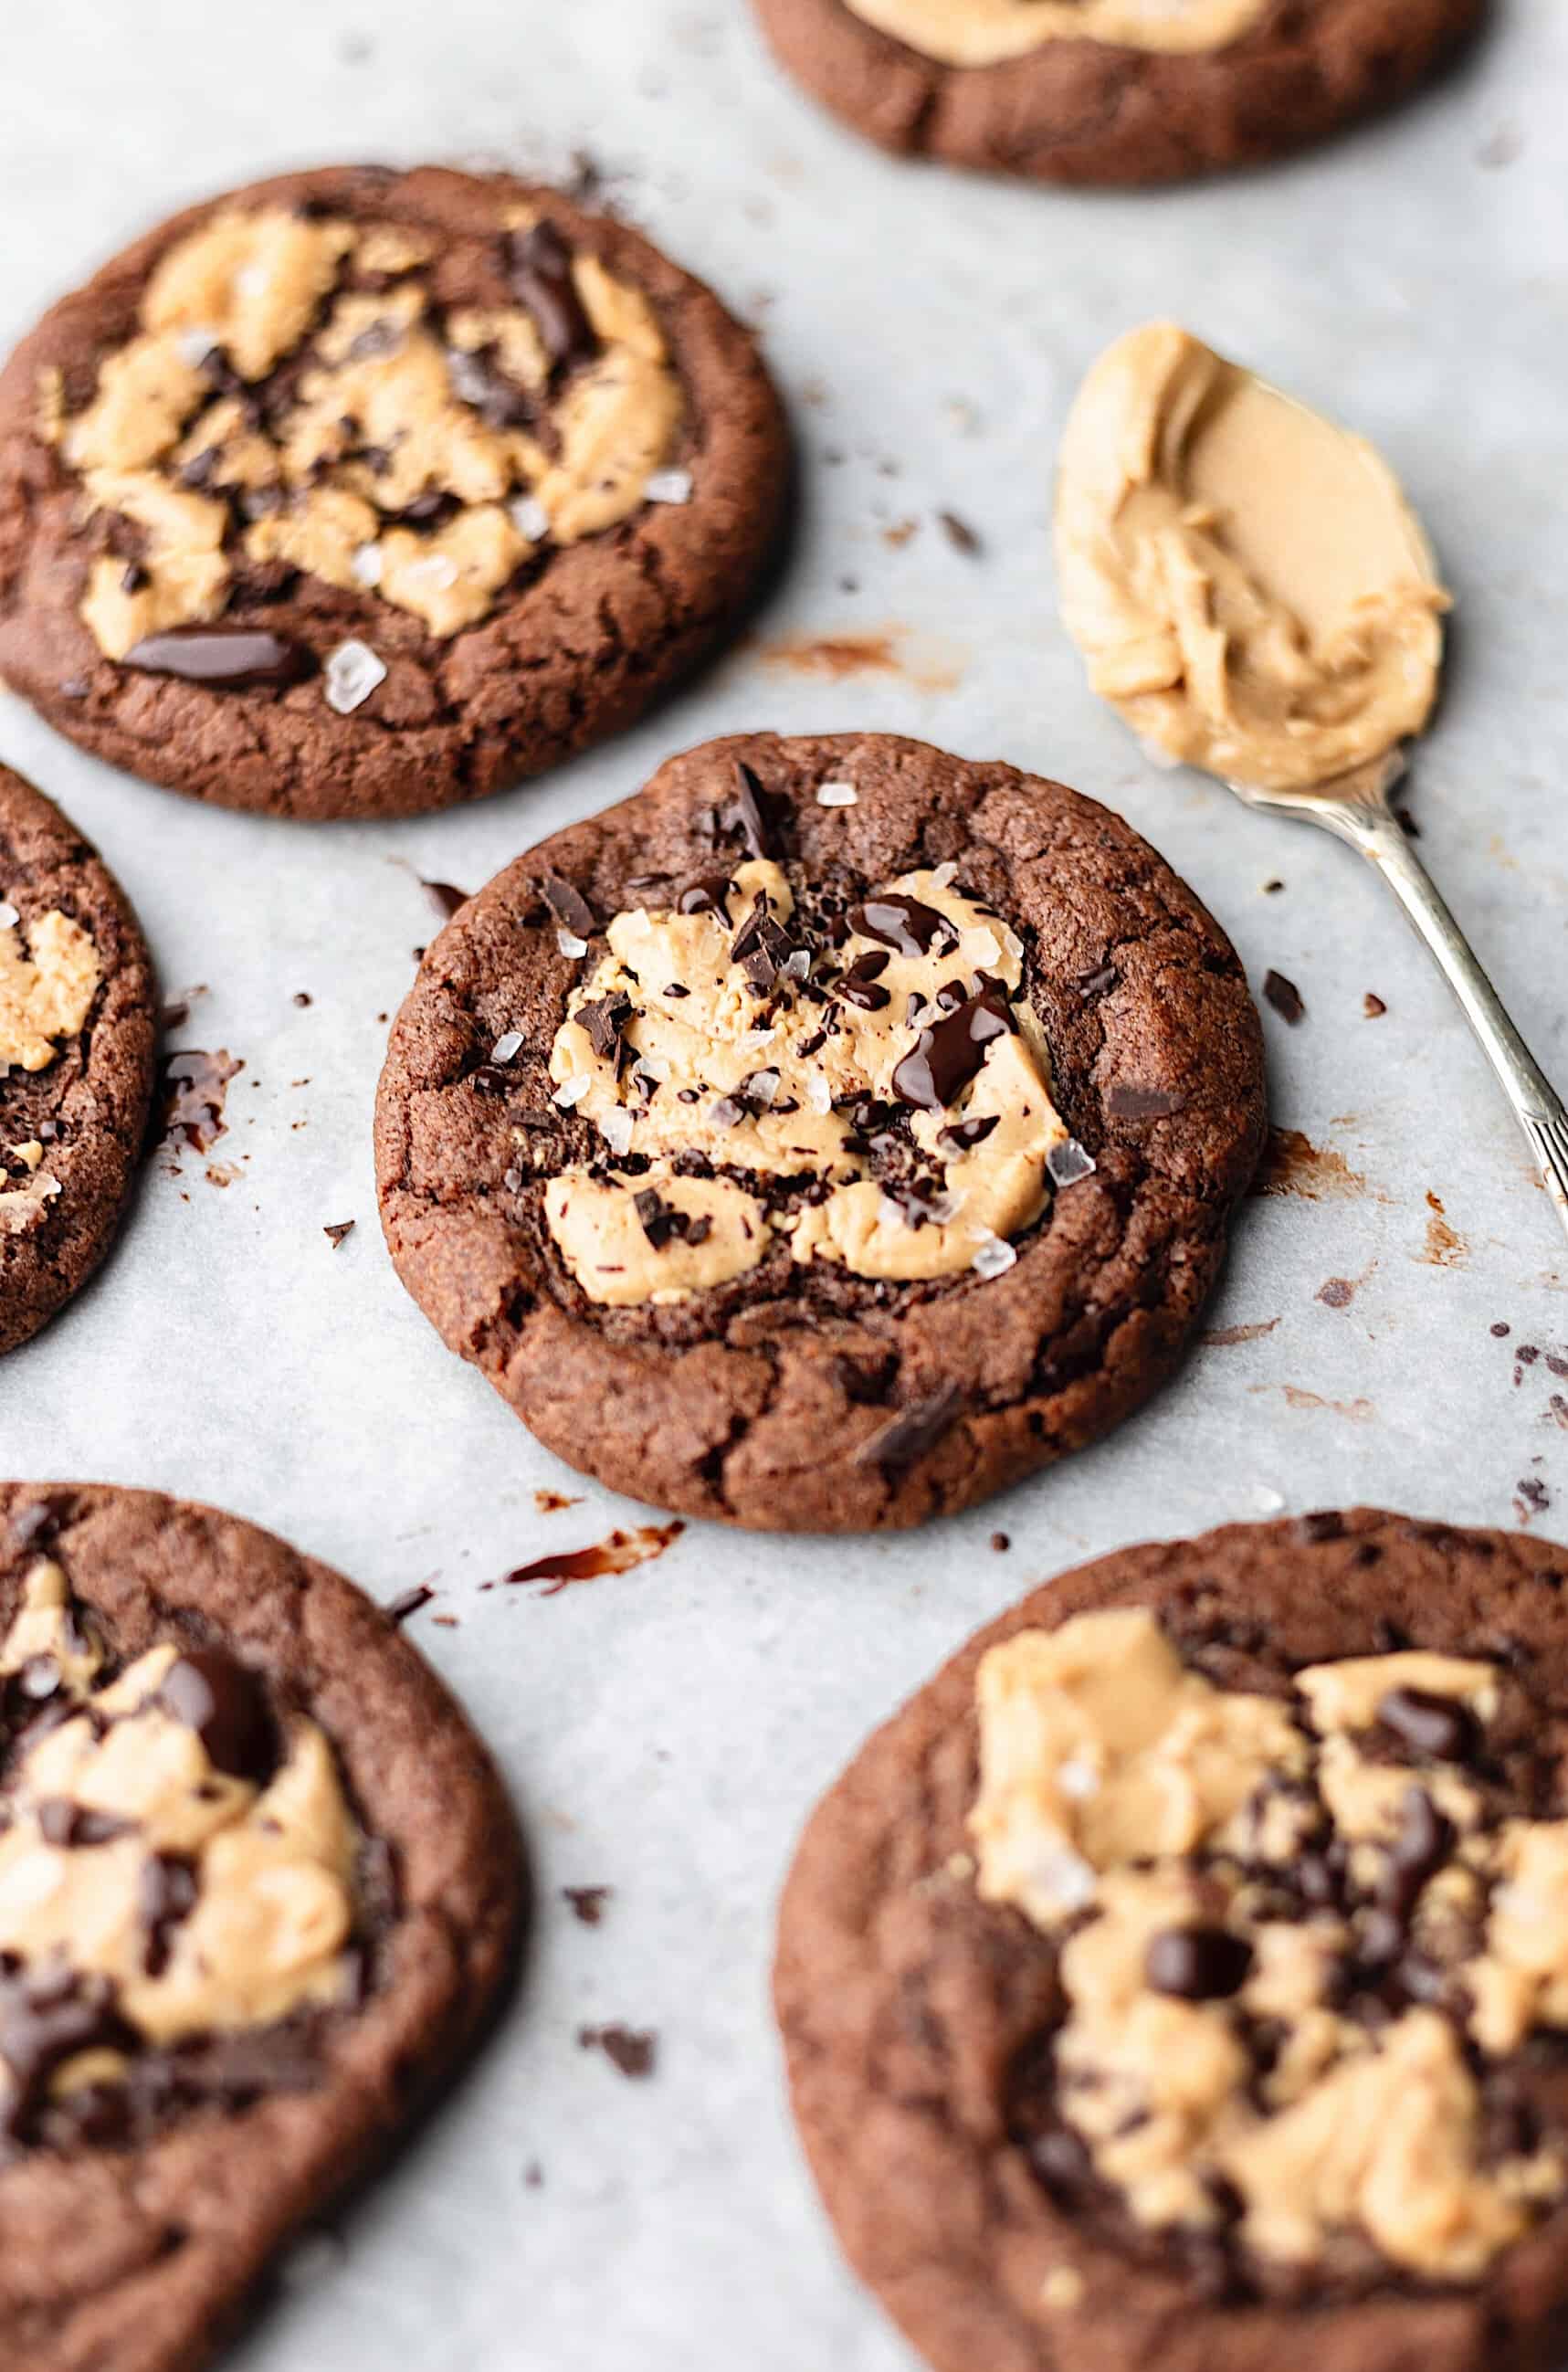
[
  {"x": 988, "y": 32},
  {"x": 1247, "y": 583},
  {"x": 1234, "y": 1883},
  {"x": 879, "y": 1099},
  {"x": 295, "y": 397},
  {"x": 172, "y": 1859}
]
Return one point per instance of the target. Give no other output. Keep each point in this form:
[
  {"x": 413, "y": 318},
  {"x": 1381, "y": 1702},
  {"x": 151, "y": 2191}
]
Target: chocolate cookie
[
  {"x": 359, "y": 493},
  {"x": 1180, "y": 1979},
  {"x": 1109, "y": 90},
  {"x": 825, "y": 1137},
  {"x": 259, "y": 1889},
  {"x": 77, "y": 1027}
]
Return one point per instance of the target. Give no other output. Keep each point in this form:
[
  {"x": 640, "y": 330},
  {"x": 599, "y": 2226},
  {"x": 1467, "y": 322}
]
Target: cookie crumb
[
  {"x": 1373, "y": 1007},
  {"x": 1001, "y": 1543},
  {"x": 339, "y": 1232}
]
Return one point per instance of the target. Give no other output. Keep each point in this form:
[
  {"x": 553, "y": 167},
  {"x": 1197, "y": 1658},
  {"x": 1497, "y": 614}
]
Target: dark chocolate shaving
[
  {"x": 226, "y": 657},
  {"x": 1284, "y": 997},
  {"x": 569, "y": 906},
  {"x": 906, "y": 1438},
  {"x": 605, "y": 1018}
]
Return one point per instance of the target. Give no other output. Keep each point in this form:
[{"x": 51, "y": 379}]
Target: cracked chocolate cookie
[
  {"x": 1109, "y": 90},
  {"x": 360, "y": 493},
  {"x": 259, "y": 1889},
  {"x": 78, "y": 1028},
  {"x": 825, "y": 1137},
  {"x": 1180, "y": 1979}
]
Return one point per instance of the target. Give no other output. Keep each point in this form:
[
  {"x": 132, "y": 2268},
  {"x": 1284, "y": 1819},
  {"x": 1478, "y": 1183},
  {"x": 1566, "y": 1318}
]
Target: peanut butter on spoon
[
  {"x": 1246, "y": 580},
  {"x": 1253, "y": 594}
]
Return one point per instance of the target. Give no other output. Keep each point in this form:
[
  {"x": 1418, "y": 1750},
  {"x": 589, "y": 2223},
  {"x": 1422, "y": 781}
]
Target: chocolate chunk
[
  {"x": 914, "y": 1430},
  {"x": 1284, "y": 997},
  {"x": 226, "y": 1704},
  {"x": 478, "y": 380},
  {"x": 1198, "y": 1963},
  {"x": 762, "y": 947},
  {"x": 728, "y": 1113},
  {"x": 166, "y": 1895},
  {"x": 1425, "y": 1839},
  {"x": 605, "y": 1019},
  {"x": 905, "y": 924},
  {"x": 1061, "y": 2161},
  {"x": 859, "y": 987},
  {"x": 1440, "y": 1727},
  {"x": 569, "y": 906},
  {"x": 1144, "y": 1103},
  {"x": 226, "y": 657},
  {"x": 47, "y": 2015},
  {"x": 945, "y": 1057},
  {"x": 662, "y": 1222},
  {"x": 540, "y": 272},
  {"x": 747, "y": 813}
]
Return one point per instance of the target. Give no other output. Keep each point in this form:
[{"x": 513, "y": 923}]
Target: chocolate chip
[
  {"x": 226, "y": 657},
  {"x": 945, "y": 1057},
  {"x": 226, "y": 1704},
  {"x": 710, "y": 893},
  {"x": 48, "y": 2015},
  {"x": 605, "y": 1018},
  {"x": 1061, "y": 2160},
  {"x": 166, "y": 1895},
  {"x": 1440, "y": 1727},
  {"x": 134, "y": 577},
  {"x": 661, "y": 1222},
  {"x": 906, "y": 1438},
  {"x": 1284, "y": 997},
  {"x": 1144, "y": 1103},
  {"x": 1198, "y": 1963},
  {"x": 963, "y": 1136},
  {"x": 569, "y": 906},
  {"x": 762, "y": 947},
  {"x": 1425, "y": 1839},
  {"x": 905, "y": 924},
  {"x": 540, "y": 271}
]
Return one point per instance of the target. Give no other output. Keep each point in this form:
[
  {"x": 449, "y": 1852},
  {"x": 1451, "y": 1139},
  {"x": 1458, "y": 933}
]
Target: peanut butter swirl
[
  {"x": 296, "y": 396},
  {"x": 1300, "y": 1939},
  {"x": 864, "y": 1082},
  {"x": 176, "y": 1864},
  {"x": 989, "y": 32}
]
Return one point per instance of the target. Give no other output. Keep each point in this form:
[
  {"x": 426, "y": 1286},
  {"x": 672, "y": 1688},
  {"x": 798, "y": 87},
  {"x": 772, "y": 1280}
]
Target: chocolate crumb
[
  {"x": 1373, "y": 1007},
  {"x": 302, "y": 996},
  {"x": 410, "y": 1603},
  {"x": 633, "y": 2053},
  {"x": 1502, "y": 1328},
  {"x": 569, "y": 906},
  {"x": 587, "y": 1902},
  {"x": 336, "y": 1234},
  {"x": 1338, "y": 1292},
  {"x": 1284, "y": 997},
  {"x": 959, "y": 533},
  {"x": 1001, "y": 1543}
]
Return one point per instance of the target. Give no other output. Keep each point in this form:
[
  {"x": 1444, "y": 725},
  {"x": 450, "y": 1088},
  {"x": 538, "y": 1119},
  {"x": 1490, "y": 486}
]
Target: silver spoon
[{"x": 1355, "y": 807}]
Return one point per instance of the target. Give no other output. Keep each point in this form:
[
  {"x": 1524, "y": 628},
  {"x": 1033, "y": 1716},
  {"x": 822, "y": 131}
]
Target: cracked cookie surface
[
  {"x": 362, "y": 492},
  {"x": 259, "y": 1889},
  {"x": 1176, "y": 1981},
  {"x": 77, "y": 1031},
  {"x": 1053, "y": 107},
  {"x": 931, "y": 1192}
]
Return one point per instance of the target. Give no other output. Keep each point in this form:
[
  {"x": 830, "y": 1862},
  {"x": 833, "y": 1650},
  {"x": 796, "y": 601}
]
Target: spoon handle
[{"x": 1369, "y": 824}]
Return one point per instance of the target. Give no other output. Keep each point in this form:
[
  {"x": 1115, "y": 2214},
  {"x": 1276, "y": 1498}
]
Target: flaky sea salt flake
[
  {"x": 994, "y": 1256},
  {"x": 837, "y": 794},
  {"x": 507, "y": 1046},
  {"x": 1068, "y": 1162},
  {"x": 670, "y": 486},
  {"x": 364, "y": 567},
  {"x": 571, "y": 944},
  {"x": 530, "y": 517},
  {"x": 352, "y": 674},
  {"x": 571, "y": 1093}
]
